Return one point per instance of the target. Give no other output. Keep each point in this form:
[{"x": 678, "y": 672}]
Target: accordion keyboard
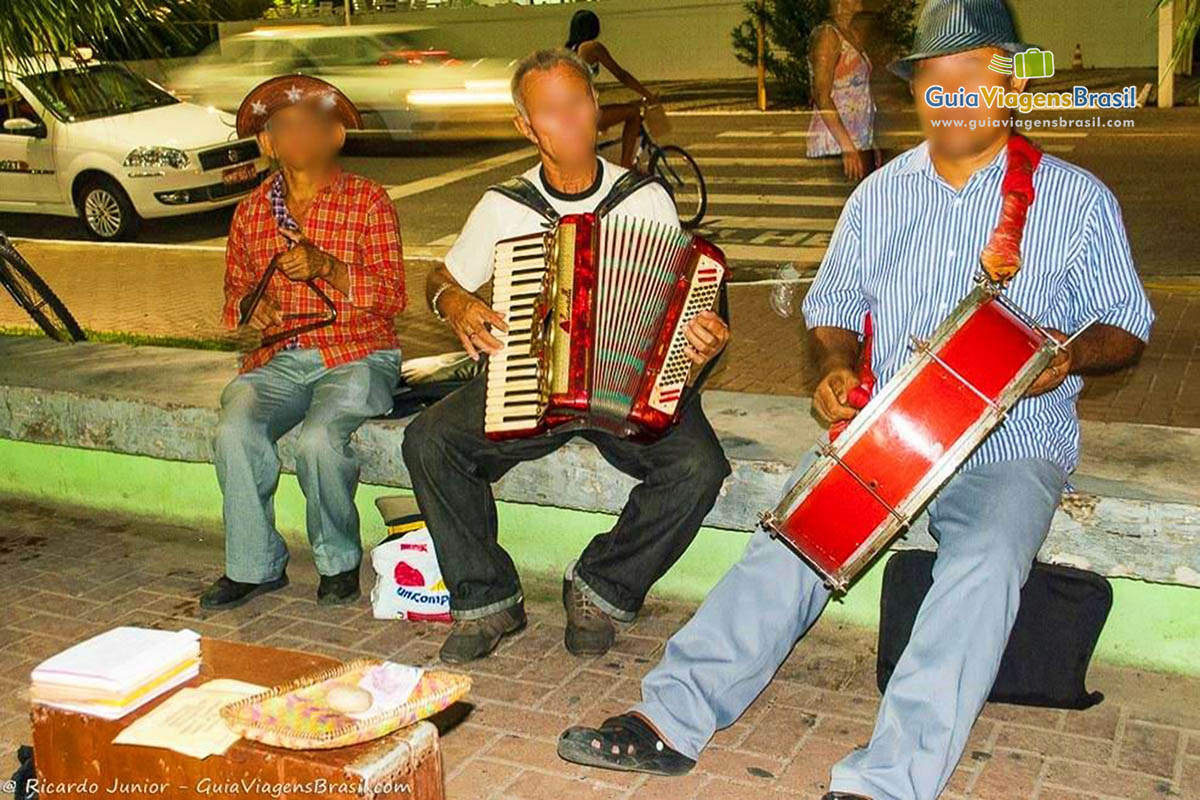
[{"x": 513, "y": 403}]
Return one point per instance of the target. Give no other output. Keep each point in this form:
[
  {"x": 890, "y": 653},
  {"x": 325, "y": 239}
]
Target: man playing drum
[{"x": 906, "y": 249}]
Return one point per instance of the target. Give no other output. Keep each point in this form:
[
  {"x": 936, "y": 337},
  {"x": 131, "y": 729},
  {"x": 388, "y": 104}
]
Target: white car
[
  {"x": 401, "y": 82},
  {"x": 97, "y": 141}
]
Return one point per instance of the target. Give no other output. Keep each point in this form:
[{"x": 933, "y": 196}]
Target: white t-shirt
[{"x": 496, "y": 217}]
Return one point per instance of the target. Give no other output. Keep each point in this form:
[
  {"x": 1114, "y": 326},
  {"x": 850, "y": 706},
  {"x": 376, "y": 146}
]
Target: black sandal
[{"x": 622, "y": 743}]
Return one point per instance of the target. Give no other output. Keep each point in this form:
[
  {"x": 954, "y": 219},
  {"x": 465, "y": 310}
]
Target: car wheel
[{"x": 106, "y": 210}]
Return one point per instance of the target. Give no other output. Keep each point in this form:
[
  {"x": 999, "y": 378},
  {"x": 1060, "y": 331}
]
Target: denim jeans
[
  {"x": 452, "y": 466},
  {"x": 258, "y": 407},
  {"x": 989, "y": 522}
]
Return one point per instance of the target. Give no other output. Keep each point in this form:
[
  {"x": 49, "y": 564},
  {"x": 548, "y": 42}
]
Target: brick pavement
[
  {"x": 767, "y": 353},
  {"x": 1141, "y": 743}
]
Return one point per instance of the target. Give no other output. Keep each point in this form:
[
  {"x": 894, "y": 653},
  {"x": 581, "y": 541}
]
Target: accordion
[{"x": 596, "y": 308}]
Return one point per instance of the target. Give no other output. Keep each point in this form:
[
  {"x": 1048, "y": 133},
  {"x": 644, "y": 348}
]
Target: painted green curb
[{"x": 1154, "y": 626}]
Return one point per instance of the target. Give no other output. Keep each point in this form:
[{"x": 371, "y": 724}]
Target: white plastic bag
[{"x": 408, "y": 582}]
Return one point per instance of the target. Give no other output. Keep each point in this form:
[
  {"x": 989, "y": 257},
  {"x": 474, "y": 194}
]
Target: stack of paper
[
  {"x": 189, "y": 721},
  {"x": 117, "y": 671}
]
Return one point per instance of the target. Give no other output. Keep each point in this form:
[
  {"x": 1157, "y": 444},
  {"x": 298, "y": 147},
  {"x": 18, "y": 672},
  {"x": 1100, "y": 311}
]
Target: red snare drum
[{"x": 896, "y": 453}]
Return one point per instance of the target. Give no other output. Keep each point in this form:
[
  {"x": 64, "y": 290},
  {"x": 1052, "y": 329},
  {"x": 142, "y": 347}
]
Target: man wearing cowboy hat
[
  {"x": 906, "y": 249},
  {"x": 335, "y": 243}
]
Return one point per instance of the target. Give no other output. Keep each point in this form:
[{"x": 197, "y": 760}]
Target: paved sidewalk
[
  {"x": 1141, "y": 743},
  {"x": 766, "y": 355}
]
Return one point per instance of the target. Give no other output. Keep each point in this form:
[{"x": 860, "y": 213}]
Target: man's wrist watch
[{"x": 433, "y": 301}]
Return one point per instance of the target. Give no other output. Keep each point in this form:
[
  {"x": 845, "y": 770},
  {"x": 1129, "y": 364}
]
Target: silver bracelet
[{"x": 433, "y": 301}]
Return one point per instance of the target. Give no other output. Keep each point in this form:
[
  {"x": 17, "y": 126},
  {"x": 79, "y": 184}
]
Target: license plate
[{"x": 242, "y": 172}]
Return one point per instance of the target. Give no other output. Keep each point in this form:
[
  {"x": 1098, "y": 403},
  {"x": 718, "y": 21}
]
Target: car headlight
[{"x": 157, "y": 157}]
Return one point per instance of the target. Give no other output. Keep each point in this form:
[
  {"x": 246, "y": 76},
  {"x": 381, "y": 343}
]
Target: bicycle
[
  {"x": 675, "y": 166},
  {"x": 32, "y": 294}
]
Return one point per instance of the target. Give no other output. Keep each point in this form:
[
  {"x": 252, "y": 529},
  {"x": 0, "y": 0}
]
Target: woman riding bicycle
[{"x": 583, "y": 38}]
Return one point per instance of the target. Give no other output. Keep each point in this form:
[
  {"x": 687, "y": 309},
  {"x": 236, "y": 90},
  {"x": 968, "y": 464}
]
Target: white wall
[
  {"x": 689, "y": 39},
  {"x": 1112, "y": 33}
]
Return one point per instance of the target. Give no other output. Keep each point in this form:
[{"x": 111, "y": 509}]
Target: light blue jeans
[
  {"x": 989, "y": 522},
  {"x": 260, "y": 406}
]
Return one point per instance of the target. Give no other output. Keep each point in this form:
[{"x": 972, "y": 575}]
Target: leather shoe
[
  {"x": 590, "y": 631},
  {"x": 470, "y": 639},
  {"x": 228, "y": 593},
  {"x": 338, "y": 590}
]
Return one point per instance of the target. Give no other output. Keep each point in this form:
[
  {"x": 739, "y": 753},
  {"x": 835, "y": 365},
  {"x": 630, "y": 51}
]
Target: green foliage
[
  {"x": 112, "y": 28},
  {"x": 789, "y": 25},
  {"x": 1185, "y": 33}
]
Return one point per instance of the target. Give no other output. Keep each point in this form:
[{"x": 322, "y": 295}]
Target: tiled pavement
[
  {"x": 69, "y": 575},
  {"x": 766, "y": 355}
]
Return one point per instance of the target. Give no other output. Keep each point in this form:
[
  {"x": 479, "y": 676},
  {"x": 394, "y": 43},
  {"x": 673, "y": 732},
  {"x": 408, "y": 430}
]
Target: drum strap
[{"x": 1001, "y": 258}]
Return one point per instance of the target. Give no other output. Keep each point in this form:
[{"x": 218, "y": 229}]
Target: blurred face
[
  {"x": 961, "y": 131},
  {"x": 302, "y": 136},
  {"x": 847, "y": 6},
  {"x": 562, "y": 115}
]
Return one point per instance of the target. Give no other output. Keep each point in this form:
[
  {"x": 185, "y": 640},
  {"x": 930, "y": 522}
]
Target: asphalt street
[
  {"x": 769, "y": 207},
  {"x": 768, "y": 204}
]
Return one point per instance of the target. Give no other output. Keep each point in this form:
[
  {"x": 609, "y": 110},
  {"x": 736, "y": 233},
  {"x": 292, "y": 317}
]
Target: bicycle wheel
[
  {"x": 673, "y": 164},
  {"x": 32, "y": 294}
]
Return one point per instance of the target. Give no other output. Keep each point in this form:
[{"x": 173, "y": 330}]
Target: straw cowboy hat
[
  {"x": 287, "y": 90},
  {"x": 952, "y": 26}
]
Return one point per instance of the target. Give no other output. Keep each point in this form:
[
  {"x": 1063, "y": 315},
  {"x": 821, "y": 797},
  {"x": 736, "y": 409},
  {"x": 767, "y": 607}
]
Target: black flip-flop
[{"x": 623, "y": 743}]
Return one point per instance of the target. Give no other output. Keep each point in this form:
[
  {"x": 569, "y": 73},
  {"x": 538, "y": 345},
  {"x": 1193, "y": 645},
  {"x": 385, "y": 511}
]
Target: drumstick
[{"x": 860, "y": 395}]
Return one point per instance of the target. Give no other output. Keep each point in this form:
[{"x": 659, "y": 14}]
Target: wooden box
[{"x": 76, "y": 758}]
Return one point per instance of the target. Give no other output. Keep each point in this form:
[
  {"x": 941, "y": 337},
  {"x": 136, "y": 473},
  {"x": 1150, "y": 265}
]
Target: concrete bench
[{"x": 1136, "y": 513}]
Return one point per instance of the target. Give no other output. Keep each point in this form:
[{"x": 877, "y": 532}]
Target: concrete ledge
[{"x": 1137, "y": 513}]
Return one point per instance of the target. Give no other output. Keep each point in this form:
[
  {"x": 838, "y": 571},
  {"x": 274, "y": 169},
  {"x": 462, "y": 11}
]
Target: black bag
[
  {"x": 424, "y": 381},
  {"x": 1045, "y": 663}
]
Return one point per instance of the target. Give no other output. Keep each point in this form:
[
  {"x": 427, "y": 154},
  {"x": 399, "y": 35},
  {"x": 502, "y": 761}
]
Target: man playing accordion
[{"x": 453, "y": 463}]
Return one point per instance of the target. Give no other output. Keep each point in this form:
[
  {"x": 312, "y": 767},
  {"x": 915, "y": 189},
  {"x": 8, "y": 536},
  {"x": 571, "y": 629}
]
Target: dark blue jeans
[{"x": 453, "y": 466}]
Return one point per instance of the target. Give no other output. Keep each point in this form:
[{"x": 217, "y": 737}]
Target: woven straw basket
[{"x": 296, "y": 715}]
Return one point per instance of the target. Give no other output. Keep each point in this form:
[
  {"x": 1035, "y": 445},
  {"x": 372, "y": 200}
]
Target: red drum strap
[{"x": 1001, "y": 258}]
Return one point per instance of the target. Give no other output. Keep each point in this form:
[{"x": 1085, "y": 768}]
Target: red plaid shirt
[{"x": 351, "y": 218}]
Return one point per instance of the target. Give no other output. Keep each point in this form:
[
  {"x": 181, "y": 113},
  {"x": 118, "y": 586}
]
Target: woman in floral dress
[{"x": 843, "y": 121}]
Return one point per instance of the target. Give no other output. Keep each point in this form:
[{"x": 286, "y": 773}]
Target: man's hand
[
  {"x": 305, "y": 260},
  {"x": 265, "y": 315},
  {"x": 829, "y": 400},
  {"x": 1053, "y": 375},
  {"x": 472, "y": 320},
  {"x": 707, "y": 334}
]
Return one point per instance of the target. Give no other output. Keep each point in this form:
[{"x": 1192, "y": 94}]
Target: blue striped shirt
[{"x": 907, "y": 246}]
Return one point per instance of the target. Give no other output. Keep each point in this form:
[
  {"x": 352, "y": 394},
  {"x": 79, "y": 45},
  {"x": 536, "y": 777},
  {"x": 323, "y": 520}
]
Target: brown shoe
[
  {"x": 590, "y": 631},
  {"x": 470, "y": 639}
]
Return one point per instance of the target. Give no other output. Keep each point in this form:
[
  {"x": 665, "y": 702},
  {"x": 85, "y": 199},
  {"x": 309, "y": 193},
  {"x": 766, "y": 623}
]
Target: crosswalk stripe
[
  {"x": 777, "y": 199},
  {"x": 766, "y": 252},
  {"x": 770, "y": 134},
  {"x": 738, "y": 180},
  {"x": 815, "y": 224},
  {"x": 722, "y": 161},
  {"x": 469, "y": 171},
  {"x": 708, "y": 147}
]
